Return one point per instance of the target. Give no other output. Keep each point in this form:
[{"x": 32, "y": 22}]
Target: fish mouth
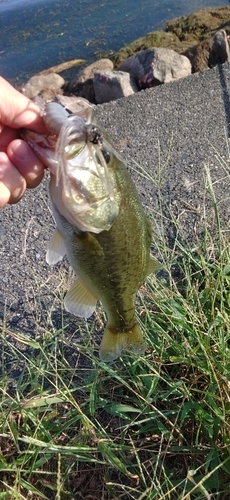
[{"x": 44, "y": 147}]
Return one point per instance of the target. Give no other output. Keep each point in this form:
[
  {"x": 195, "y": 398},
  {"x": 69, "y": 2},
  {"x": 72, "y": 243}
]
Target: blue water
[{"x": 37, "y": 34}]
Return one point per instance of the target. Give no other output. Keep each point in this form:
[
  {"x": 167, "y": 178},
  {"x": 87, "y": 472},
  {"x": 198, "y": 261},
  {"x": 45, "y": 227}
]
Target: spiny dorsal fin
[
  {"x": 79, "y": 301},
  {"x": 56, "y": 249}
]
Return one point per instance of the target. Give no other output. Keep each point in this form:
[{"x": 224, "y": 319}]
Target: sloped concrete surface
[{"x": 172, "y": 132}]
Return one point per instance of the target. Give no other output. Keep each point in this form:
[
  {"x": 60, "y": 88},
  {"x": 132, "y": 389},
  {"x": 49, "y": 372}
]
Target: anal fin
[{"x": 79, "y": 301}]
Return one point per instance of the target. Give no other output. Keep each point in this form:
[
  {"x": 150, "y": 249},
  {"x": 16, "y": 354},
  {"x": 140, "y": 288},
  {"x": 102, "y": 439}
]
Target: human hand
[{"x": 19, "y": 166}]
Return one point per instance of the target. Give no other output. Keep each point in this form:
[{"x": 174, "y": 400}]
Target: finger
[
  {"x": 6, "y": 136},
  {"x": 17, "y": 111},
  {"x": 11, "y": 180},
  {"x": 27, "y": 163}
]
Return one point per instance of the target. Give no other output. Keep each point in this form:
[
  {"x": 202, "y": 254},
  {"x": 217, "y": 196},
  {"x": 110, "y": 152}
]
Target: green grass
[{"x": 146, "y": 427}]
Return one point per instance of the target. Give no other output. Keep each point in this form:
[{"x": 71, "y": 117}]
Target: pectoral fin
[
  {"x": 56, "y": 249},
  {"x": 90, "y": 243},
  {"x": 113, "y": 342},
  {"x": 79, "y": 301}
]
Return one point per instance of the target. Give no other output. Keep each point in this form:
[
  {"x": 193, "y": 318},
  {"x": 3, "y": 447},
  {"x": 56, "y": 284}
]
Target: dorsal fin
[{"x": 153, "y": 265}]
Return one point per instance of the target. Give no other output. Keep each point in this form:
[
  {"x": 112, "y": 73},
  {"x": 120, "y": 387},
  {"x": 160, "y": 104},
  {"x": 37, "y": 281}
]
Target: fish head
[{"x": 82, "y": 184}]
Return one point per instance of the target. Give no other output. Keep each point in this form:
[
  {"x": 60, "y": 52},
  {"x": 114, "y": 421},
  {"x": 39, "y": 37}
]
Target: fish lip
[{"x": 43, "y": 146}]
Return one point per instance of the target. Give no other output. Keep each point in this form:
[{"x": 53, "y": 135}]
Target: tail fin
[{"x": 113, "y": 343}]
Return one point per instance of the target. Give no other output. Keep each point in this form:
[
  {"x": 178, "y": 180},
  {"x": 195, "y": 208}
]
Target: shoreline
[
  {"x": 170, "y": 36},
  {"x": 180, "y": 33}
]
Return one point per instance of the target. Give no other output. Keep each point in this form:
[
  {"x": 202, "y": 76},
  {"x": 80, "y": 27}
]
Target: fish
[{"x": 100, "y": 222}]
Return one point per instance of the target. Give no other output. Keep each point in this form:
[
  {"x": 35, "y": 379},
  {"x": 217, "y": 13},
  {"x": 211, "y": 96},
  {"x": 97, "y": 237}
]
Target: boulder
[
  {"x": 45, "y": 85},
  {"x": 82, "y": 85},
  {"x": 111, "y": 85},
  {"x": 89, "y": 71},
  {"x": 210, "y": 52},
  {"x": 156, "y": 65}
]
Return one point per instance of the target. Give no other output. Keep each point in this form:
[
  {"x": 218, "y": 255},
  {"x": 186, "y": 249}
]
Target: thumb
[{"x": 17, "y": 111}]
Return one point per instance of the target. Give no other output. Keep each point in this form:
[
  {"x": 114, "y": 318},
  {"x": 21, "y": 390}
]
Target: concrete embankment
[{"x": 175, "y": 132}]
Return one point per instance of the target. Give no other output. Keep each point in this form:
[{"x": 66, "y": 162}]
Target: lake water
[{"x": 37, "y": 34}]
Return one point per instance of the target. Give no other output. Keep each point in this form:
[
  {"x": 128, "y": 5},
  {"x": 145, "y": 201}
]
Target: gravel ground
[{"x": 172, "y": 131}]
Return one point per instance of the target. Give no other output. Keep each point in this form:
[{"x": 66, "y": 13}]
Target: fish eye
[
  {"x": 94, "y": 136},
  {"x": 106, "y": 155}
]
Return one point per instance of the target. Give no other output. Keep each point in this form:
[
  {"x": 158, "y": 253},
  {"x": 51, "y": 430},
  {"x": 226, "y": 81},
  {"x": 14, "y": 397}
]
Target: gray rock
[
  {"x": 111, "y": 85},
  {"x": 154, "y": 66},
  {"x": 82, "y": 85},
  {"x": 46, "y": 85},
  {"x": 89, "y": 71},
  {"x": 210, "y": 52}
]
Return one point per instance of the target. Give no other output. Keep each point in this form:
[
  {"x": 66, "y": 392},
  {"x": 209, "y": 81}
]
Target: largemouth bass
[{"x": 101, "y": 225}]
